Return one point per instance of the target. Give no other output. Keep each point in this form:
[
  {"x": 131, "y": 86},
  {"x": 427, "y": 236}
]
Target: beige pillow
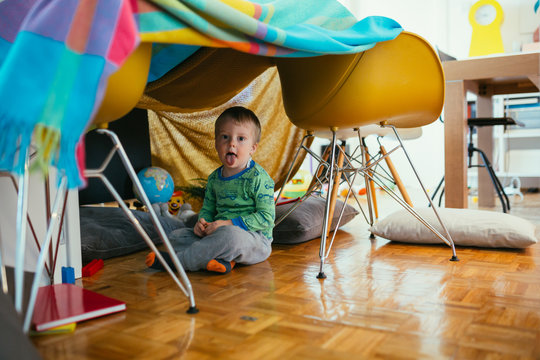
[{"x": 467, "y": 228}]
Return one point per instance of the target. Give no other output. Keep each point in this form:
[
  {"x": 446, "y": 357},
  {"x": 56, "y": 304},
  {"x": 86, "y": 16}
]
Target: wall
[{"x": 445, "y": 24}]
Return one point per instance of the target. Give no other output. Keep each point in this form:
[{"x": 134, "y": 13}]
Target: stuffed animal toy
[{"x": 177, "y": 199}]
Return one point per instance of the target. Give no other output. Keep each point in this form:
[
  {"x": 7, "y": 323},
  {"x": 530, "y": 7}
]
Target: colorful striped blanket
[{"x": 56, "y": 56}]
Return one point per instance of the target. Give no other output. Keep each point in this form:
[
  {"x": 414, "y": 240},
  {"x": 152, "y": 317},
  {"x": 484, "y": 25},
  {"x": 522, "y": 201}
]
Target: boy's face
[{"x": 235, "y": 143}]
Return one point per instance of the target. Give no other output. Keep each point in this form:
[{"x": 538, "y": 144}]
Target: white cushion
[{"x": 466, "y": 227}]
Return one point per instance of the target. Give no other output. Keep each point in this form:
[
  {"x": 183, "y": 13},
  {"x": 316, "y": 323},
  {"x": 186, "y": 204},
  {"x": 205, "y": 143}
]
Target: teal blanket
[{"x": 56, "y": 56}]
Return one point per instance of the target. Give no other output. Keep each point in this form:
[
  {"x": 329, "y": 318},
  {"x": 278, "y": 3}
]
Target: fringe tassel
[
  {"x": 47, "y": 141},
  {"x": 67, "y": 161},
  {"x": 53, "y": 148},
  {"x": 14, "y": 144}
]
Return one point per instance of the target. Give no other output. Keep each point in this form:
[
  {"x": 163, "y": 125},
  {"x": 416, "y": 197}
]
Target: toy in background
[
  {"x": 298, "y": 185},
  {"x": 514, "y": 188},
  {"x": 179, "y": 208},
  {"x": 157, "y": 183},
  {"x": 185, "y": 213},
  {"x": 175, "y": 202},
  {"x": 176, "y": 208},
  {"x": 344, "y": 190}
]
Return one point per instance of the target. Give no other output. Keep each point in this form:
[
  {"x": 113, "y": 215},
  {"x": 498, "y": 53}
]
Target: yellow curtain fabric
[
  {"x": 207, "y": 79},
  {"x": 183, "y": 142}
]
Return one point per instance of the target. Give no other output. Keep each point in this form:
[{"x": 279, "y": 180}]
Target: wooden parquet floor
[{"x": 381, "y": 300}]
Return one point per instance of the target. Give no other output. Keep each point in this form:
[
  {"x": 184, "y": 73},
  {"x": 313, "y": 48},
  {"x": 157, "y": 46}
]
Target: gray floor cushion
[
  {"x": 305, "y": 222},
  {"x": 107, "y": 232}
]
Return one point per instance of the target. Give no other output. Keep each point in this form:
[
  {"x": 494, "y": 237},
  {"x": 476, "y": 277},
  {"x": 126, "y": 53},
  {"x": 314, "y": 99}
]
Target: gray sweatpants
[{"x": 226, "y": 243}]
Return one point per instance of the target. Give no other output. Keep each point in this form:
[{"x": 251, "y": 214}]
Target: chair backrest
[{"x": 400, "y": 81}]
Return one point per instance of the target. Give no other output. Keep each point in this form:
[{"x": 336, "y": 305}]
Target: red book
[{"x": 63, "y": 304}]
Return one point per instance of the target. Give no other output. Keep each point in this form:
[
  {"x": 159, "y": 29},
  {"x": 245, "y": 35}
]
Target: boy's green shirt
[{"x": 246, "y": 198}]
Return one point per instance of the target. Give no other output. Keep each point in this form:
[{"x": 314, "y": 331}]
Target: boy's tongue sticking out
[{"x": 230, "y": 158}]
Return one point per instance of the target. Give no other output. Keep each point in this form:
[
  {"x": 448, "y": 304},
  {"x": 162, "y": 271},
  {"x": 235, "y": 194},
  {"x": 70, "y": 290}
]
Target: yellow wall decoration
[{"x": 486, "y": 17}]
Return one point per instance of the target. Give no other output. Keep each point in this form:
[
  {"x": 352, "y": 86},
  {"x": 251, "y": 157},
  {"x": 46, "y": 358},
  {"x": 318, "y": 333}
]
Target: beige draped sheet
[{"x": 183, "y": 105}]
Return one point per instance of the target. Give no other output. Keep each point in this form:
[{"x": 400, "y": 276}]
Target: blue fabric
[
  {"x": 240, "y": 223},
  {"x": 166, "y": 56}
]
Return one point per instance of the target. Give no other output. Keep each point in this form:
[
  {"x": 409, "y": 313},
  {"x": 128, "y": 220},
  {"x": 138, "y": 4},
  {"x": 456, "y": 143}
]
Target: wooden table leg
[
  {"x": 455, "y": 145},
  {"x": 486, "y": 192}
]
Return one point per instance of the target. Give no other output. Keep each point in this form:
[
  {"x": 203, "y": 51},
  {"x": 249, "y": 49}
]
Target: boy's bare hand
[
  {"x": 200, "y": 228},
  {"x": 211, "y": 227}
]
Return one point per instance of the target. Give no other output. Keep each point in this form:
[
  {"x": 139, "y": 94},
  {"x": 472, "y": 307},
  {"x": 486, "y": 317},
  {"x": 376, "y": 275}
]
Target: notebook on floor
[{"x": 63, "y": 304}]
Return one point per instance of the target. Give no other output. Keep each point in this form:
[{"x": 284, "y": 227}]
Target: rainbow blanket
[{"x": 56, "y": 56}]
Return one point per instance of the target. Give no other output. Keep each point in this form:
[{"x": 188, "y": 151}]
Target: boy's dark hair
[{"x": 240, "y": 115}]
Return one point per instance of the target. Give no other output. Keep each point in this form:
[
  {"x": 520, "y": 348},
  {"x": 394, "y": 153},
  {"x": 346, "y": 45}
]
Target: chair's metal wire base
[
  {"x": 183, "y": 283},
  {"x": 55, "y": 222},
  {"x": 354, "y": 164}
]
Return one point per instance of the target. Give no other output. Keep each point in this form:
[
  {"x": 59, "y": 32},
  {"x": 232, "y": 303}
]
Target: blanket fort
[{"x": 56, "y": 57}]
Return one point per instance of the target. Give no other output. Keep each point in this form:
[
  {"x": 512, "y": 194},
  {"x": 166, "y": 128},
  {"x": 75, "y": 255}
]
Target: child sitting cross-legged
[{"x": 236, "y": 221}]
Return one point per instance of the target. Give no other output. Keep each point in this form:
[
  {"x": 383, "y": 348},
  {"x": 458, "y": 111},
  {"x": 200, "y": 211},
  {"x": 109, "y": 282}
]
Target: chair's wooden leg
[
  {"x": 396, "y": 177},
  {"x": 371, "y": 185},
  {"x": 333, "y": 196}
]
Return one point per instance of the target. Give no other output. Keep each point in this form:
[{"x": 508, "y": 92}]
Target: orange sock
[
  {"x": 153, "y": 263},
  {"x": 220, "y": 266},
  {"x": 150, "y": 258}
]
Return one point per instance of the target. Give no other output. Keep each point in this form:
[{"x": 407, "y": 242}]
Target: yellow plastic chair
[{"x": 396, "y": 84}]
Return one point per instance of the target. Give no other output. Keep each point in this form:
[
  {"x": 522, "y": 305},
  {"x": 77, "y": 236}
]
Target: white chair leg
[
  {"x": 54, "y": 222},
  {"x": 363, "y": 151},
  {"x": 446, "y": 238},
  {"x": 322, "y": 250},
  {"x": 185, "y": 284},
  {"x": 21, "y": 222}
]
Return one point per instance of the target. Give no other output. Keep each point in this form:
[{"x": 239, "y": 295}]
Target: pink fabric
[{"x": 126, "y": 37}]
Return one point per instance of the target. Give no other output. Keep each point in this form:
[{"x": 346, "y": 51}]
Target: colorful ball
[{"x": 157, "y": 183}]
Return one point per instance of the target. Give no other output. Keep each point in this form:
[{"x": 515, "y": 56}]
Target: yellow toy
[
  {"x": 177, "y": 199},
  {"x": 298, "y": 185}
]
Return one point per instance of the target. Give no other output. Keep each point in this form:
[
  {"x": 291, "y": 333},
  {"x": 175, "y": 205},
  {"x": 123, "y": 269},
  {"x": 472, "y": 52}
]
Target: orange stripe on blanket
[
  {"x": 81, "y": 25},
  {"x": 145, "y": 7}
]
